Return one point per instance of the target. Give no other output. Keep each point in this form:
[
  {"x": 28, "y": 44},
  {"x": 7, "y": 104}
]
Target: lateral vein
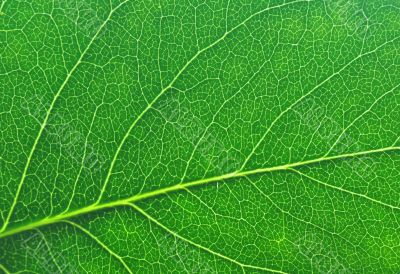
[
  {"x": 299, "y": 219},
  {"x": 2, "y": 267},
  {"x": 48, "y": 112},
  {"x": 104, "y": 246},
  {"x": 153, "y": 220},
  {"x": 344, "y": 190},
  {"x": 310, "y": 92},
  {"x": 170, "y": 85}
]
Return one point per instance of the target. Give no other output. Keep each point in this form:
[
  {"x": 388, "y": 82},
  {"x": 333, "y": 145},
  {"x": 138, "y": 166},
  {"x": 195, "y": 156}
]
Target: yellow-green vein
[
  {"x": 48, "y": 112},
  {"x": 104, "y": 246},
  {"x": 182, "y": 186},
  {"x": 242, "y": 265}
]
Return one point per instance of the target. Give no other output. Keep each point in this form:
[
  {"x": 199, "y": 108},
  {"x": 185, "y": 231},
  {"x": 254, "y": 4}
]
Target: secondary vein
[
  {"x": 344, "y": 190},
  {"x": 2, "y": 267},
  {"x": 310, "y": 92},
  {"x": 48, "y": 112},
  {"x": 170, "y": 85},
  {"x": 104, "y": 246},
  {"x": 153, "y": 220}
]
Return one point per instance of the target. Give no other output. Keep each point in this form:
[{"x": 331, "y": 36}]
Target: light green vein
[
  {"x": 360, "y": 116},
  {"x": 249, "y": 80},
  {"x": 82, "y": 160},
  {"x": 2, "y": 267},
  {"x": 1, "y": 7},
  {"x": 302, "y": 220},
  {"x": 104, "y": 246},
  {"x": 280, "y": 209},
  {"x": 242, "y": 265},
  {"x": 48, "y": 112},
  {"x": 311, "y": 91},
  {"x": 170, "y": 85},
  {"x": 53, "y": 258},
  {"x": 344, "y": 190},
  {"x": 183, "y": 186}
]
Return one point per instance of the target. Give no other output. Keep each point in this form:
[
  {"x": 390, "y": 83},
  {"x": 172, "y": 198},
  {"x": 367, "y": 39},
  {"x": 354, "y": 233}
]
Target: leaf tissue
[{"x": 216, "y": 136}]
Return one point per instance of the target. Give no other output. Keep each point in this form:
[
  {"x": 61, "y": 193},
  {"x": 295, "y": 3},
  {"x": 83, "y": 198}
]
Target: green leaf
[{"x": 200, "y": 136}]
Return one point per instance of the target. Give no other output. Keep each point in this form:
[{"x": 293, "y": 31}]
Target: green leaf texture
[{"x": 200, "y": 136}]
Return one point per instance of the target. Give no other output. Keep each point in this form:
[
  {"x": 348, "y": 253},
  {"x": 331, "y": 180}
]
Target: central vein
[{"x": 180, "y": 186}]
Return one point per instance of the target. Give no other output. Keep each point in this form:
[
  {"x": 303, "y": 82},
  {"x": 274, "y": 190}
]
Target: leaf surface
[{"x": 200, "y": 136}]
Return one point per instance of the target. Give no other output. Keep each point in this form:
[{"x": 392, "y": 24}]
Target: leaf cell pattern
[{"x": 200, "y": 136}]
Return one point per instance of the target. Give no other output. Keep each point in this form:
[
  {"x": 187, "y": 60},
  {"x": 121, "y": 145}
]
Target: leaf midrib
[
  {"x": 97, "y": 205},
  {"x": 181, "y": 186}
]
